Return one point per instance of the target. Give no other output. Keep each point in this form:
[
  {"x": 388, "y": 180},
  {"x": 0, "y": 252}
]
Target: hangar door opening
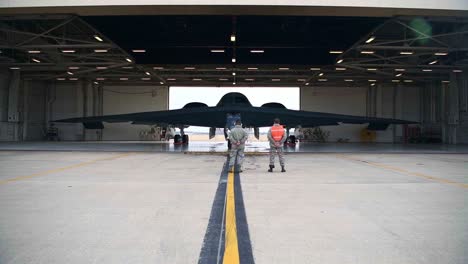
[{"x": 180, "y": 96}]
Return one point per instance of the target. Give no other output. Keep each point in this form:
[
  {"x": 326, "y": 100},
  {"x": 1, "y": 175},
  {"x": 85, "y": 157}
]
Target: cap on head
[
  {"x": 238, "y": 122},
  {"x": 277, "y": 121}
]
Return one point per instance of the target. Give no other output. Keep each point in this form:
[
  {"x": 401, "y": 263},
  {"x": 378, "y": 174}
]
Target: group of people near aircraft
[{"x": 238, "y": 136}]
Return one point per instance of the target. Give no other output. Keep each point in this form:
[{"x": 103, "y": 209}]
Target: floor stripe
[
  {"x": 231, "y": 246},
  {"x": 227, "y": 238},
  {"x": 43, "y": 173},
  {"x": 396, "y": 169}
]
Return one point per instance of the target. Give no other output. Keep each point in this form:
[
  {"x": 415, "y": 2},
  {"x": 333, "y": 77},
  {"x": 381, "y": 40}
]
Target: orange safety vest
[{"x": 277, "y": 132}]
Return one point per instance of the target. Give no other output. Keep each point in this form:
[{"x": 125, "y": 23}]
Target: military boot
[
  {"x": 282, "y": 169},
  {"x": 271, "y": 168}
]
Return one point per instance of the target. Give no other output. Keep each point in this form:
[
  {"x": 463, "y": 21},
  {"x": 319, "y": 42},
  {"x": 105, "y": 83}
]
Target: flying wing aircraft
[{"x": 231, "y": 107}]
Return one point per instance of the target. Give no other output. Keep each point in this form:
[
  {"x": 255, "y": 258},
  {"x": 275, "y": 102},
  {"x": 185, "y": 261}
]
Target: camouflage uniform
[
  {"x": 276, "y": 149},
  {"x": 237, "y": 135}
]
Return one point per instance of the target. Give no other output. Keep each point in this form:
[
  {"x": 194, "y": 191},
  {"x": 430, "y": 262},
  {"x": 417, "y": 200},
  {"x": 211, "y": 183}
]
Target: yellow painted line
[
  {"x": 43, "y": 173},
  {"x": 231, "y": 248},
  {"x": 417, "y": 174}
]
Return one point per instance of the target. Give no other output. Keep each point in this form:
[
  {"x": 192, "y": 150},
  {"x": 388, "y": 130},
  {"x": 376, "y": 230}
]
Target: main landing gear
[{"x": 181, "y": 139}]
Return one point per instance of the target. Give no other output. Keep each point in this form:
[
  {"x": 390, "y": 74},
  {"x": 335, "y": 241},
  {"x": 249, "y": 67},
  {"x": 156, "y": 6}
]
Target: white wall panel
[{"x": 122, "y": 100}]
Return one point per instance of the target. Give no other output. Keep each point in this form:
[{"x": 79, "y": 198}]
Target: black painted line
[
  {"x": 243, "y": 235},
  {"x": 214, "y": 235}
]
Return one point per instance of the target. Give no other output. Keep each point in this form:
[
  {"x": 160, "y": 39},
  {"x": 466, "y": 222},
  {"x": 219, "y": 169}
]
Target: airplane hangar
[{"x": 111, "y": 195}]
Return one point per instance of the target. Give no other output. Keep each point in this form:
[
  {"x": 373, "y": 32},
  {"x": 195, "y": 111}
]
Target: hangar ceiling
[{"x": 266, "y": 51}]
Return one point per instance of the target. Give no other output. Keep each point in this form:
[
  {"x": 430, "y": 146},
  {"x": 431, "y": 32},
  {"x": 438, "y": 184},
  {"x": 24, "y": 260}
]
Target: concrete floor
[{"x": 105, "y": 207}]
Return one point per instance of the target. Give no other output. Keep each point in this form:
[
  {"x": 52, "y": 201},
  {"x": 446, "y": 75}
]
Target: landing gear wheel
[
  {"x": 177, "y": 139},
  {"x": 185, "y": 139}
]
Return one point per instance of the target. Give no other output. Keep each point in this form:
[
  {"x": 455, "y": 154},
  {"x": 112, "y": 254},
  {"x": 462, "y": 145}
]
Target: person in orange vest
[{"x": 276, "y": 137}]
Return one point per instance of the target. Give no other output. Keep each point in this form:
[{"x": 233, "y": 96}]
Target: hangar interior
[{"x": 61, "y": 66}]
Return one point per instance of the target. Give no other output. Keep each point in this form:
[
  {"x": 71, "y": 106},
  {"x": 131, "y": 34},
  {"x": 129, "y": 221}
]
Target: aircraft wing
[{"x": 251, "y": 117}]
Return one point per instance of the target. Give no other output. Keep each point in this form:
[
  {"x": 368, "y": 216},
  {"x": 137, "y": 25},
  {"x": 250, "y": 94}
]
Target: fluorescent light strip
[
  {"x": 217, "y": 51},
  {"x": 283, "y": 69},
  {"x": 223, "y": 79},
  {"x": 68, "y": 51},
  {"x": 336, "y": 51},
  {"x": 128, "y": 59},
  {"x": 426, "y": 70},
  {"x": 252, "y": 69},
  {"x": 72, "y": 79},
  {"x": 221, "y": 68},
  {"x": 101, "y": 68},
  {"x": 69, "y": 73},
  {"x": 100, "y": 79},
  {"x": 147, "y": 73},
  {"x": 349, "y": 80},
  {"x": 145, "y": 79},
  {"x": 123, "y": 79},
  {"x": 127, "y": 67},
  {"x": 445, "y": 81},
  {"x": 189, "y": 68},
  {"x": 249, "y": 79},
  {"x": 322, "y": 80},
  {"x": 370, "y": 40},
  {"x": 158, "y": 68},
  {"x": 257, "y": 51},
  {"x": 73, "y": 68},
  {"x": 408, "y": 81},
  {"x": 367, "y": 52},
  {"x": 275, "y": 80},
  {"x": 321, "y": 74},
  {"x": 98, "y": 38},
  {"x": 371, "y": 69},
  {"x": 15, "y": 68},
  {"x": 396, "y": 81},
  {"x": 301, "y": 80},
  {"x": 433, "y": 62},
  {"x": 36, "y": 60},
  {"x": 196, "y": 79},
  {"x": 400, "y": 70},
  {"x": 60, "y": 79},
  {"x": 34, "y": 51},
  {"x": 406, "y": 53},
  {"x": 138, "y": 51},
  {"x": 315, "y": 69},
  {"x": 340, "y": 69},
  {"x": 398, "y": 75},
  {"x": 171, "y": 79},
  {"x": 441, "y": 53},
  {"x": 100, "y": 50},
  {"x": 372, "y": 80},
  {"x": 340, "y": 61},
  {"x": 458, "y": 71}
]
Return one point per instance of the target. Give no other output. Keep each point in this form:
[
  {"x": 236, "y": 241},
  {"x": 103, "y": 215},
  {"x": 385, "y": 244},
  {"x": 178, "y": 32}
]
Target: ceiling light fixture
[
  {"x": 189, "y": 68},
  {"x": 147, "y": 73},
  {"x": 371, "y": 69},
  {"x": 139, "y": 51},
  {"x": 370, "y": 40},
  {"x": 221, "y": 68},
  {"x": 250, "y": 80},
  {"x": 406, "y": 53},
  {"x": 223, "y": 79},
  {"x": 233, "y": 74},
  {"x": 96, "y": 83},
  {"x": 408, "y": 81},
  {"x": 123, "y": 79},
  {"x": 372, "y": 84},
  {"x": 171, "y": 79},
  {"x": 161, "y": 82},
  {"x": 100, "y": 50},
  {"x": 367, "y": 52},
  {"x": 433, "y": 62},
  {"x": 307, "y": 84},
  {"x": 399, "y": 75},
  {"x": 457, "y": 71},
  {"x": 257, "y": 51},
  {"x": 217, "y": 51},
  {"x": 34, "y": 51},
  {"x": 73, "y": 79},
  {"x": 426, "y": 70},
  {"x": 233, "y": 60},
  {"x": 128, "y": 59},
  {"x": 252, "y": 68},
  {"x": 283, "y": 69},
  {"x": 36, "y": 60},
  {"x": 275, "y": 80},
  {"x": 100, "y": 79},
  {"x": 68, "y": 51},
  {"x": 349, "y": 80},
  {"x": 336, "y": 51},
  {"x": 233, "y": 38},
  {"x": 98, "y": 38},
  {"x": 69, "y": 73},
  {"x": 441, "y": 53},
  {"x": 73, "y": 68},
  {"x": 340, "y": 61},
  {"x": 321, "y": 74},
  {"x": 60, "y": 79},
  {"x": 445, "y": 81},
  {"x": 315, "y": 69},
  {"x": 322, "y": 80},
  {"x": 340, "y": 69},
  {"x": 372, "y": 80},
  {"x": 145, "y": 79},
  {"x": 400, "y": 70},
  {"x": 158, "y": 68},
  {"x": 395, "y": 81},
  {"x": 301, "y": 80},
  {"x": 196, "y": 79},
  {"x": 101, "y": 68},
  {"x": 15, "y": 68}
]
